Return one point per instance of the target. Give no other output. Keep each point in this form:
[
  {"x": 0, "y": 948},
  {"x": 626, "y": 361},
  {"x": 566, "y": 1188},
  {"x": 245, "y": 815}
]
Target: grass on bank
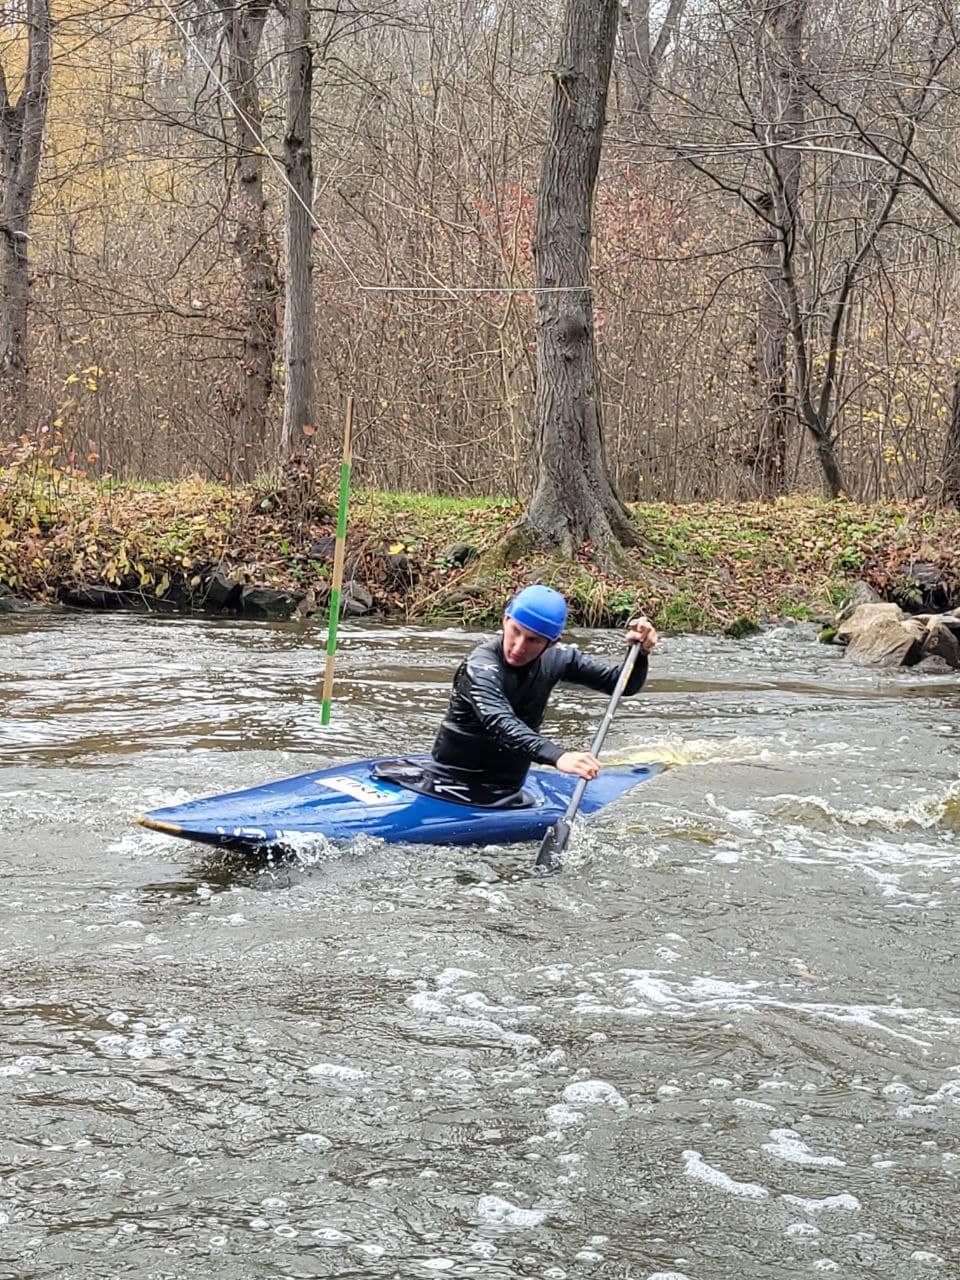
[{"x": 715, "y": 565}]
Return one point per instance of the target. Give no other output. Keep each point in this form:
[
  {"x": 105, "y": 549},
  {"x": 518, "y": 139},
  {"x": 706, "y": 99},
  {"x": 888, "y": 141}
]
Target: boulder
[
  {"x": 941, "y": 641},
  {"x": 888, "y": 642},
  {"x": 9, "y": 603},
  {"x": 923, "y": 588},
  {"x": 863, "y": 618},
  {"x": 264, "y": 603},
  {"x": 459, "y": 554},
  {"x": 322, "y": 549},
  {"x": 221, "y": 592},
  {"x": 356, "y": 600},
  {"x": 860, "y": 593},
  {"x": 97, "y": 596}
]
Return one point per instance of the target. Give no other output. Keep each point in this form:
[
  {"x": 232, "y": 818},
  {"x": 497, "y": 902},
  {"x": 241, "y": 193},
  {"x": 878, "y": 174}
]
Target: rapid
[{"x": 722, "y": 1044}]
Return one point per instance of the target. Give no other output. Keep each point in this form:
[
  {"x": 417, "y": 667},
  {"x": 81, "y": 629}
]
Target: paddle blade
[{"x": 552, "y": 849}]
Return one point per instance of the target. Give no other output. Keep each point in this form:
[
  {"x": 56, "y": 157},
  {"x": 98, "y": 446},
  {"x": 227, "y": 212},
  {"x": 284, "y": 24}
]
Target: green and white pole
[{"x": 338, "y": 558}]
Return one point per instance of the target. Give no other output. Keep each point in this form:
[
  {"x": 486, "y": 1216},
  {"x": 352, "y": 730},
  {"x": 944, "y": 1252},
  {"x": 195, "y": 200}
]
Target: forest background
[{"x": 774, "y": 253}]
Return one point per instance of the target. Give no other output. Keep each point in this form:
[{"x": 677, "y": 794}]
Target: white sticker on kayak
[{"x": 357, "y": 789}]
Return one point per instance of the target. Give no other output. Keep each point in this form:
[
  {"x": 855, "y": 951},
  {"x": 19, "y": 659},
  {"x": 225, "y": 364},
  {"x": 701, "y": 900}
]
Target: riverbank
[{"x": 195, "y": 545}]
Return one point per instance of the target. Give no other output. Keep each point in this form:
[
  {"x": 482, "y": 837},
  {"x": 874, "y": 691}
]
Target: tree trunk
[
  {"x": 21, "y": 139},
  {"x": 641, "y": 53},
  {"x": 254, "y": 244},
  {"x": 779, "y": 34},
  {"x": 950, "y": 466},
  {"x": 299, "y": 336},
  {"x": 573, "y": 500}
]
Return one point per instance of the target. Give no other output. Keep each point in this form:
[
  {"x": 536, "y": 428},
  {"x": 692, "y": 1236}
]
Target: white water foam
[
  {"x": 845, "y": 1203},
  {"x": 649, "y": 992},
  {"x": 594, "y": 1093},
  {"x": 497, "y": 1214},
  {"x": 788, "y": 1145},
  {"x": 696, "y": 1167},
  {"x": 335, "y": 1071}
]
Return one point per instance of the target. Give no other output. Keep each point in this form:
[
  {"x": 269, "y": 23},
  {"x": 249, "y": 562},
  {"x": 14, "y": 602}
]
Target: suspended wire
[{"x": 362, "y": 287}]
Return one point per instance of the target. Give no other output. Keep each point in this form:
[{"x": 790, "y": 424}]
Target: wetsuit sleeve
[
  {"x": 480, "y": 682},
  {"x": 602, "y": 676}
]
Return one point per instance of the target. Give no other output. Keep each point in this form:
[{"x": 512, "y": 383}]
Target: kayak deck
[{"x": 348, "y": 801}]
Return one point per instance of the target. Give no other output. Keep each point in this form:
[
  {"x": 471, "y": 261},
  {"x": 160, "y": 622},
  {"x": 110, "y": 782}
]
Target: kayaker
[{"x": 491, "y": 735}]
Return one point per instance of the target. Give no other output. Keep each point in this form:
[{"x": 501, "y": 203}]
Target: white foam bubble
[
  {"x": 594, "y": 1093},
  {"x": 450, "y": 977},
  {"x": 696, "y": 1167},
  {"x": 788, "y": 1145},
  {"x": 336, "y": 1071},
  {"x": 843, "y": 1203},
  {"x": 563, "y": 1116},
  {"x": 498, "y": 1214},
  {"x": 330, "y": 1235}
]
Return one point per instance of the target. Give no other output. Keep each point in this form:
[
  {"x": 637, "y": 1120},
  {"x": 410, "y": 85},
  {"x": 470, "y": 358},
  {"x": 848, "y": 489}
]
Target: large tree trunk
[
  {"x": 298, "y": 318},
  {"x": 779, "y": 34},
  {"x": 950, "y": 467},
  {"x": 573, "y": 500},
  {"x": 254, "y": 243},
  {"x": 21, "y": 139}
]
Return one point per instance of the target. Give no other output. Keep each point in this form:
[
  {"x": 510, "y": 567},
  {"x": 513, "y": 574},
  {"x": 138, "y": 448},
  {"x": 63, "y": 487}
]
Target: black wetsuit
[{"x": 491, "y": 732}]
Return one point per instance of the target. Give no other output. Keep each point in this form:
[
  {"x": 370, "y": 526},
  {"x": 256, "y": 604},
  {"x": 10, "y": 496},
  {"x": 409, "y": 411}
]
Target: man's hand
[
  {"x": 581, "y": 763},
  {"x": 641, "y": 631}
]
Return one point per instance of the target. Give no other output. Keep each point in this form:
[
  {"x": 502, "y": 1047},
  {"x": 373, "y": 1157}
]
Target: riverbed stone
[
  {"x": 459, "y": 554},
  {"x": 863, "y": 618},
  {"x": 356, "y": 600},
  {"x": 923, "y": 587},
  {"x": 889, "y": 642},
  {"x": 860, "y": 593},
  {"x": 222, "y": 592},
  {"x": 96, "y": 596},
  {"x": 941, "y": 641},
  {"x": 264, "y": 603}
]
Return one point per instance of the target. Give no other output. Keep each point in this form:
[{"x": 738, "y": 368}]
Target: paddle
[{"x": 558, "y": 837}]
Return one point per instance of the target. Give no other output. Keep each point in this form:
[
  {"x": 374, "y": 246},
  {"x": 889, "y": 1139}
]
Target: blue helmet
[{"x": 539, "y": 609}]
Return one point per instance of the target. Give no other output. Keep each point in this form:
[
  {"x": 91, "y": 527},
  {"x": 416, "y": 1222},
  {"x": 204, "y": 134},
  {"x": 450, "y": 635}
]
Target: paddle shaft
[{"x": 556, "y": 839}]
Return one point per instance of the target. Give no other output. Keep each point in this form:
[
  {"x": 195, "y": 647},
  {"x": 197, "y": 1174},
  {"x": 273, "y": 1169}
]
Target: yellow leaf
[{"x": 395, "y": 548}]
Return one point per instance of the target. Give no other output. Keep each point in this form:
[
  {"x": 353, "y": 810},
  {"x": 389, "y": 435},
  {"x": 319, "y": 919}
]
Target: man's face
[{"x": 520, "y": 646}]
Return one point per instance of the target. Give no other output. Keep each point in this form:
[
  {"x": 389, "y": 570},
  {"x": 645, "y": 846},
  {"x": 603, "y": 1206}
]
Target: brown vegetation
[{"x": 760, "y": 318}]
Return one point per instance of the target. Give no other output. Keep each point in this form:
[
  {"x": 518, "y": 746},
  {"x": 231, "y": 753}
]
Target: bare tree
[
  {"x": 298, "y": 315},
  {"x": 574, "y": 500},
  {"x": 642, "y": 52},
  {"x": 21, "y": 141},
  {"x": 950, "y": 464},
  {"x": 254, "y": 242},
  {"x": 779, "y": 35}
]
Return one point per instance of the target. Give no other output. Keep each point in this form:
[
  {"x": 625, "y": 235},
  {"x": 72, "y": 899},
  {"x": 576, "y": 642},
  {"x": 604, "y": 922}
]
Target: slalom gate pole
[{"x": 338, "y": 558}]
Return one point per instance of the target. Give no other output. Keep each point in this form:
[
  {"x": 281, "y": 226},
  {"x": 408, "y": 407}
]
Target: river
[{"x": 723, "y": 1044}]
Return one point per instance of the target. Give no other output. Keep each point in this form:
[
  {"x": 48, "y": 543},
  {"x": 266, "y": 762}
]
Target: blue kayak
[{"x": 351, "y": 800}]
